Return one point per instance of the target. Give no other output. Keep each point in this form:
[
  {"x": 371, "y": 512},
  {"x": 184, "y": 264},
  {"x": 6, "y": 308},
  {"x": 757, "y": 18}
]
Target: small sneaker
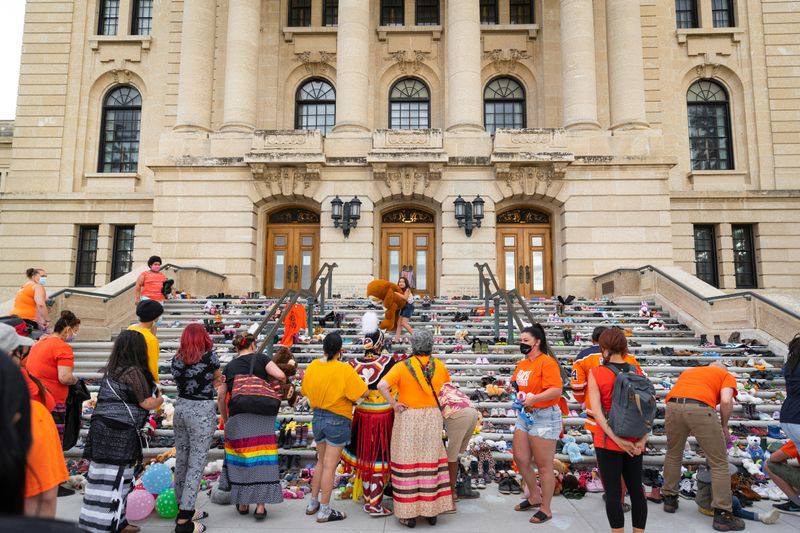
[
  {"x": 770, "y": 517},
  {"x": 788, "y": 507},
  {"x": 725, "y": 521},
  {"x": 670, "y": 503}
]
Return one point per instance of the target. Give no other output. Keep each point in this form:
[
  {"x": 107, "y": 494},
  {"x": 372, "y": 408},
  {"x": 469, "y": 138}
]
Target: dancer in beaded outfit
[{"x": 367, "y": 455}]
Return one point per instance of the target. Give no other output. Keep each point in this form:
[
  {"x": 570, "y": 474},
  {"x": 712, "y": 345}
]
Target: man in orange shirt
[
  {"x": 786, "y": 477},
  {"x": 692, "y": 410}
]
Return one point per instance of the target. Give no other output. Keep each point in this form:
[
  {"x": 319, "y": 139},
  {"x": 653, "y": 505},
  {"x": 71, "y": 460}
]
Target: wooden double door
[
  {"x": 292, "y": 257},
  {"x": 524, "y": 259},
  {"x": 408, "y": 249}
]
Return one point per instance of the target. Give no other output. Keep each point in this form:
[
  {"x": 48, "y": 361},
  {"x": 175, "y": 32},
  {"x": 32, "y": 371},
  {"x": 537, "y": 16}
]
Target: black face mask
[{"x": 525, "y": 349}]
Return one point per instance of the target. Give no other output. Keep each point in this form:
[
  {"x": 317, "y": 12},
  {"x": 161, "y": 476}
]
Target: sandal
[
  {"x": 504, "y": 486},
  {"x": 380, "y": 513},
  {"x": 334, "y": 516},
  {"x": 199, "y": 515},
  {"x": 408, "y": 522},
  {"x": 539, "y": 518},
  {"x": 525, "y": 505},
  {"x": 245, "y": 511},
  {"x": 514, "y": 486}
]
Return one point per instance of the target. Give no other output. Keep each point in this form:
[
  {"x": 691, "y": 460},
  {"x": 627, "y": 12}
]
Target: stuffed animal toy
[
  {"x": 482, "y": 451},
  {"x": 757, "y": 454},
  {"x": 169, "y": 414},
  {"x": 284, "y": 359},
  {"x": 752, "y": 468},
  {"x": 656, "y": 324},
  {"x": 385, "y": 291},
  {"x": 571, "y": 448},
  {"x": 644, "y": 310}
]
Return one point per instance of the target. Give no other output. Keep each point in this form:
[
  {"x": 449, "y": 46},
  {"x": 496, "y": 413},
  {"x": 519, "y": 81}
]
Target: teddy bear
[
  {"x": 284, "y": 359},
  {"x": 756, "y": 453},
  {"x": 571, "y": 449},
  {"x": 169, "y": 414},
  {"x": 386, "y": 292}
]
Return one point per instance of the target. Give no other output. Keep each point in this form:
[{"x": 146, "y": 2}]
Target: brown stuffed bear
[
  {"x": 392, "y": 303},
  {"x": 284, "y": 359}
]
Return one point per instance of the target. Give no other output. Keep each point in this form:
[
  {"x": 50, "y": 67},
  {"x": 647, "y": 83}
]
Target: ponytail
[
  {"x": 66, "y": 320},
  {"x": 32, "y": 272},
  {"x": 242, "y": 341}
]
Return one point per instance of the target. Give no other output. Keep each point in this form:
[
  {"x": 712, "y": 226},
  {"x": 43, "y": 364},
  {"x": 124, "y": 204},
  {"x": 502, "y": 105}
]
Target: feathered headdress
[{"x": 373, "y": 336}]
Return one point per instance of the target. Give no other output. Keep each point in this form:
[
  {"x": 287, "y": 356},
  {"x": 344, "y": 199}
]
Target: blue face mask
[
  {"x": 158, "y": 322},
  {"x": 43, "y": 280}
]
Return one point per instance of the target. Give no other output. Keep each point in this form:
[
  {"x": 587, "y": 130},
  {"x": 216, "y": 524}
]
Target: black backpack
[{"x": 633, "y": 404}]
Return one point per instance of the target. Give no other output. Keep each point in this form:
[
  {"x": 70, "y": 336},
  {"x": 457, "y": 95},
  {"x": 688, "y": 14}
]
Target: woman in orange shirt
[
  {"x": 30, "y": 304},
  {"x": 420, "y": 473},
  {"x": 538, "y": 377},
  {"x": 52, "y": 361}
]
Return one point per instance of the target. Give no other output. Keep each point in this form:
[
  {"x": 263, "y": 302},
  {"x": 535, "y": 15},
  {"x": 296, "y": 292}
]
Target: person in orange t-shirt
[
  {"x": 150, "y": 283},
  {"x": 420, "y": 473},
  {"x": 538, "y": 377},
  {"x": 691, "y": 410}
]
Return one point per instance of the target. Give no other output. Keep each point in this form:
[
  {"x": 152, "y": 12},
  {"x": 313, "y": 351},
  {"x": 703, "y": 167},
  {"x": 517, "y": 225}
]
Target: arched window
[
  {"x": 503, "y": 105},
  {"x": 315, "y": 106},
  {"x": 709, "y": 126},
  {"x": 409, "y": 105},
  {"x": 121, "y": 123}
]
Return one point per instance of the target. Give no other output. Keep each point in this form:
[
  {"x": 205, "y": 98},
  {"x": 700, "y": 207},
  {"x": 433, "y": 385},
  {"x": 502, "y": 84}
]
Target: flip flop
[
  {"x": 525, "y": 505},
  {"x": 199, "y": 515},
  {"x": 540, "y": 517},
  {"x": 334, "y": 516}
]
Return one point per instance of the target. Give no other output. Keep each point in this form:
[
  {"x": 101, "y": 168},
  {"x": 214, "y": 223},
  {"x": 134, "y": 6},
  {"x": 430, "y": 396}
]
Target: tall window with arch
[
  {"x": 503, "y": 105},
  {"x": 315, "y": 106},
  {"x": 119, "y": 130},
  {"x": 710, "y": 140},
  {"x": 409, "y": 105}
]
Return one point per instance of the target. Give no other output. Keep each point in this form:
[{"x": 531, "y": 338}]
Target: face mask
[
  {"x": 158, "y": 322},
  {"x": 70, "y": 338},
  {"x": 155, "y": 268},
  {"x": 525, "y": 349},
  {"x": 43, "y": 280}
]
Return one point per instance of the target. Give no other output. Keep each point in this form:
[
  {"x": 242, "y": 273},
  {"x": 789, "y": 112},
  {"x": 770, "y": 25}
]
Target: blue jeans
[{"x": 331, "y": 428}]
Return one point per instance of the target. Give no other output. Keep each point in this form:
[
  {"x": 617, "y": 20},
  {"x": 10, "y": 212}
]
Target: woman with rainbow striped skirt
[
  {"x": 251, "y": 448},
  {"x": 367, "y": 455}
]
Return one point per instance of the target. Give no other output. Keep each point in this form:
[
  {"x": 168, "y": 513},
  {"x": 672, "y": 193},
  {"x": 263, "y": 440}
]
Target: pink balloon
[{"x": 140, "y": 504}]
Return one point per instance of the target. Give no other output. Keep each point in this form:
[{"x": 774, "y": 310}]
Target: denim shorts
[
  {"x": 546, "y": 423},
  {"x": 331, "y": 428},
  {"x": 407, "y": 311}
]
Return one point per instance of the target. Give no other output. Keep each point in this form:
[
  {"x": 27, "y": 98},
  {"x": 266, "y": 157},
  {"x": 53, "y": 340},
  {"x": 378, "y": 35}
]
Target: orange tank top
[
  {"x": 24, "y": 303},
  {"x": 152, "y": 284}
]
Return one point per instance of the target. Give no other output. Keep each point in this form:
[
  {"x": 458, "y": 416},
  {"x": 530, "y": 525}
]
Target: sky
[{"x": 12, "y": 16}]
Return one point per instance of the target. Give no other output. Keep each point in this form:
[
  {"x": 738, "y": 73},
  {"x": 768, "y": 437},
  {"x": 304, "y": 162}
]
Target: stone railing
[
  {"x": 111, "y": 308},
  {"x": 287, "y": 145},
  {"x": 702, "y": 307},
  {"x": 425, "y": 139}
]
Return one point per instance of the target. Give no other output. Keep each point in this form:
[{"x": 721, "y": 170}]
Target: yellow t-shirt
[
  {"x": 153, "y": 350},
  {"x": 414, "y": 393},
  {"x": 333, "y": 386}
]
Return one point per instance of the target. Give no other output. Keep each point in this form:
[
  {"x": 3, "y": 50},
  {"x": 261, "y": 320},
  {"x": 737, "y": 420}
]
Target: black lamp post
[
  {"x": 345, "y": 215},
  {"x": 469, "y": 216}
]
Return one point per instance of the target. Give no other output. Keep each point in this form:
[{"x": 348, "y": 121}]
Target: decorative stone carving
[
  {"x": 407, "y": 180},
  {"x": 407, "y": 139},
  {"x": 316, "y": 63},
  {"x": 408, "y": 62},
  {"x": 286, "y": 146},
  {"x": 536, "y": 180},
  {"x": 286, "y": 181},
  {"x": 505, "y": 61},
  {"x": 707, "y": 70}
]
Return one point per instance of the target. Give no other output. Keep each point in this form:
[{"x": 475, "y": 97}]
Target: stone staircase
[{"x": 468, "y": 368}]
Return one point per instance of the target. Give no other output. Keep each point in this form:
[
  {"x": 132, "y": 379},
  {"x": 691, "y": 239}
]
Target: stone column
[
  {"x": 352, "y": 66},
  {"x": 464, "y": 66},
  {"x": 578, "y": 76},
  {"x": 197, "y": 66},
  {"x": 241, "y": 65},
  {"x": 625, "y": 65}
]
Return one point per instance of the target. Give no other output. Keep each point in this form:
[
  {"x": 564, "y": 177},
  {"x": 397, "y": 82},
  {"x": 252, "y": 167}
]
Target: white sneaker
[
  {"x": 776, "y": 494},
  {"x": 761, "y": 490}
]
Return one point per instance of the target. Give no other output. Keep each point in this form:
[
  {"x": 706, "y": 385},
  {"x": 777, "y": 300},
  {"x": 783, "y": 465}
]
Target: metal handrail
[
  {"x": 324, "y": 278},
  {"x": 708, "y": 299},
  {"x": 487, "y": 281},
  {"x": 105, "y": 296}
]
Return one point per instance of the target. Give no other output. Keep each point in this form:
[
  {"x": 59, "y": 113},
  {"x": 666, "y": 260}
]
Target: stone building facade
[{"x": 599, "y": 133}]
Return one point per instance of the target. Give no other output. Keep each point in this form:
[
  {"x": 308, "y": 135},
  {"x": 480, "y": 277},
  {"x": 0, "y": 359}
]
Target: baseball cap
[{"x": 9, "y": 340}]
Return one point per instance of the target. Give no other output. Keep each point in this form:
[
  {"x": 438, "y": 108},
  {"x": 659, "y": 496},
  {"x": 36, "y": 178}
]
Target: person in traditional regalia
[{"x": 367, "y": 455}]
